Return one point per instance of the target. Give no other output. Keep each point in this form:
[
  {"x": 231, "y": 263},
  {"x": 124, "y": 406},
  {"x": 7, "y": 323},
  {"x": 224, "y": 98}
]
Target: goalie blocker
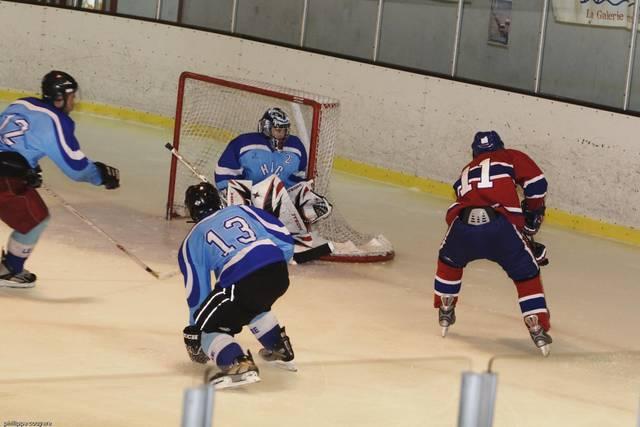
[{"x": 297, "y": 207}]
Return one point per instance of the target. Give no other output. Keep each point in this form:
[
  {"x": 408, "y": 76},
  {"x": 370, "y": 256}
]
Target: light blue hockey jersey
[
  {"x": 233, "y": 243},
  {"x": 35, "y": 129},
  {"x": 251, "y": 156}
]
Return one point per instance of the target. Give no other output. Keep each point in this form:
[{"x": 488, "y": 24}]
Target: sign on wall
[
  {"x": 606, "y": 13},
  {"x": 500, "y": 22}
]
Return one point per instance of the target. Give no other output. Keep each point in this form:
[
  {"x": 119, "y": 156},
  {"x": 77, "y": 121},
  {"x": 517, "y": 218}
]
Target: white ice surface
[{"x": 98, "y": 341}]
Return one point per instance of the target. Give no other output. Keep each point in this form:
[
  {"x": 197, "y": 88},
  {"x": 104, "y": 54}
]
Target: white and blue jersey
[
  {"x": 251, "y": 156},
  {"x": 233, "y": 243},
  {"x": 35, "y": 129}
]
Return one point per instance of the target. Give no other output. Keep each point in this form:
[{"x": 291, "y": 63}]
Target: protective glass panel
[
  {"x": 342, "y": 26},
  {"x": 277, "y": 20},
  {"x": 594, "y": 389},
  {"x": 499, "y": 42},
  {"x": 214, "y": 14},
  {"x": 586, "y": 51},
  {"x": 418, "y": 34},
  {"x": 144, "y": 8}
]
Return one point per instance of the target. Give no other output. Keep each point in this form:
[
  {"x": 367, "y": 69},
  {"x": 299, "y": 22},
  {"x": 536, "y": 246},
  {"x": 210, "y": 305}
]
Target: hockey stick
[
  {"x": 90, "y": 223},
  {"x": 538, "y": 250},
  {"x": 173, "y": 150}
]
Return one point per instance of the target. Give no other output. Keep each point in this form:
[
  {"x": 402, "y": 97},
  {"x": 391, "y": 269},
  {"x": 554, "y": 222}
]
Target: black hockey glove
[
  {"x": 532, "y": 219},
  {"x": 539, "y": 251},
  {"x": 191, "y": 336},
  {"x": 110, "y": 176}
]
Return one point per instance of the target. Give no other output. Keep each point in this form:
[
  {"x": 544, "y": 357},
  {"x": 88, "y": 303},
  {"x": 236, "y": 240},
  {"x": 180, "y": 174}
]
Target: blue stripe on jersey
[
  {"x": 536, "y": 188},
  {"x": 64, "y": 132},
  {"x": 191, "y": 282},
  {"x": 457, "y": 185},
  {"x": 255, "y": 259},
  {"x": 531, "y": 304}
]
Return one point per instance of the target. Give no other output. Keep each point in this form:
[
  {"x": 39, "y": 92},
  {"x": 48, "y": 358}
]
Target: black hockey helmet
[
  {"x": 274, "y": 118},
  {"x": 485, "y": 142},
  {"x": 201, "y": 200},
  {"x": 57, "y": 85}
]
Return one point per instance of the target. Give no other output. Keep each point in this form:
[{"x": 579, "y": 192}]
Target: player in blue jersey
[
  {"x": 30, "y": 129},
  {"x": 268, "y": 169},
  {"x": 258, "y": 155},
  {"x": 247, "y": 249}
]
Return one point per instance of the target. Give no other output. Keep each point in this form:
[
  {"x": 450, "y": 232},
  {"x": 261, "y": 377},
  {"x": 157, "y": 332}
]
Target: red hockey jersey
[{"x": 491, "y": 179}]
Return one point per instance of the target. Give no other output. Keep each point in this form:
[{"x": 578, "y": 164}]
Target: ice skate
[
  {"x": 540, "y": 338},
  {"x": 243, "y": 371},
  {"x": 282, "y": 356},
  {"x": 446, "y": 313},
  {"x": 23, "y": 279}
]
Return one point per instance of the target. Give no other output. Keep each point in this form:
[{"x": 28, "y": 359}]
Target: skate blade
[
  {"x": 445, "y": 329},
  {"x": 545, "y": 349},
  {"x": 16, "y": 285},
  {"x": 228, "y": 382}
]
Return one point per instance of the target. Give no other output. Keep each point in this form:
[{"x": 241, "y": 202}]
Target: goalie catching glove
[
  {"x": 110, "y": 176},
  {"x": 311, "y": 206}
]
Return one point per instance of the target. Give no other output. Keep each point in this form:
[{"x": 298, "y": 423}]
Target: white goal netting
[{"x": 211, "y": 111}]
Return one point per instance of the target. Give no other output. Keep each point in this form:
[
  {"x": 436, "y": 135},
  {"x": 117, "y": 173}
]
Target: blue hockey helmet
[
  {"x": 56, "y": 85},
  {"x": 202, "y": 200},
  {"x": 485, "y": 142},
  {"x": 274, "y": 118}
]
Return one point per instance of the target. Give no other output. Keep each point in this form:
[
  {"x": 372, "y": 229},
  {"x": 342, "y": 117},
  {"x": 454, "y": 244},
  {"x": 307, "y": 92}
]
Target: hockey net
[{"x": 210, "y": 111}]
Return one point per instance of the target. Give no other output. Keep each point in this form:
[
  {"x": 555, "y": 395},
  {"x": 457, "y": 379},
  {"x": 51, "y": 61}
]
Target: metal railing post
[
  {"x": 234, "y": 13},
  {"x": 303, "y": 27},
  {"x": 632, "y": 55},
  {"x": 541, "y": 40},
  {"x": 376, "y": 40},
  {"x": 456, "y": 40},
  {"x": 197, "y": 407},
  {"x": 477, "y": 399},
  {"x": 158, "y": 9}
]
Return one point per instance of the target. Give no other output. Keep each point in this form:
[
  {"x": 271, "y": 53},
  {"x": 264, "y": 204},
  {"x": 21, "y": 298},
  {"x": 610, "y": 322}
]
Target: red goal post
[{"x": 210, "y": 111}]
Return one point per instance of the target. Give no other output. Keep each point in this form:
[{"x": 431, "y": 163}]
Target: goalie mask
[
  {"x": 58, "y": 85},
  {"x": 201, "y": 200},
  {"x": 274, "y": 118},
  {"x": 486, "y": 142}
]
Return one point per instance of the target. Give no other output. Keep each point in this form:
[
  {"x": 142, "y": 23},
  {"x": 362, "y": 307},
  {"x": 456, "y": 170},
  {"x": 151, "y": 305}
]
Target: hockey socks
[
  {"x": 266, "y": 329},
  {"x": 221, "y": 348},
  {"x": 532, "y": 301},
  {"x": 448, "y": 281}
]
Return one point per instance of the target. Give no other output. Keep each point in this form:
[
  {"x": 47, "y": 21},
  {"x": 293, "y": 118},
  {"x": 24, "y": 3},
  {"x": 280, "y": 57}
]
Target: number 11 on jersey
[{"x": 485, "y": 177}]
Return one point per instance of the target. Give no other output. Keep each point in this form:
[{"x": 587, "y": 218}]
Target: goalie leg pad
[
  {"x": 271, "y": 195},
  {"x": 238, "y": 192}
]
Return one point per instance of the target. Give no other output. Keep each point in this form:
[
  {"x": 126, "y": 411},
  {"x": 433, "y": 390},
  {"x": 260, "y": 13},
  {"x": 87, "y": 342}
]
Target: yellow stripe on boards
[{"x": 554, "y": 216}]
